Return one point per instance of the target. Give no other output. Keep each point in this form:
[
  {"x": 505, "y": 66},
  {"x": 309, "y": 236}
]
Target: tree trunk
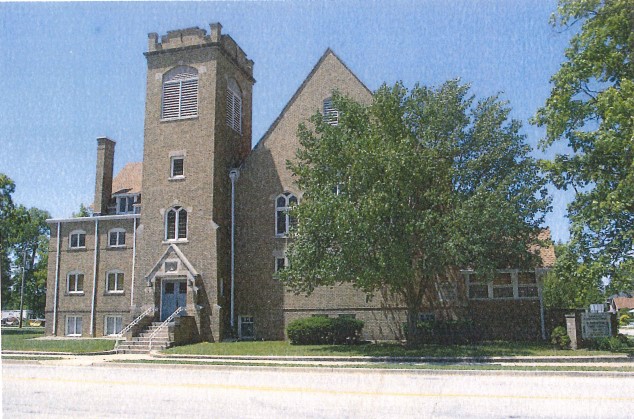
[{"x": 414, "y": 336}]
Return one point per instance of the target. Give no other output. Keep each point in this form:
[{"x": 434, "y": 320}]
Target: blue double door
[{"x": 173, "y": 295}]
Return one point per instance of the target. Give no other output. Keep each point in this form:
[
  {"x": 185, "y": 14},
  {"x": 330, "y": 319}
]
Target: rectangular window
[
  {"x": 78, "y": 240},
  {"x": 177, "y": 167},
  {"x": 125, "y": 204},
  {"x": 73, "y": 326},
  {"x": 117, "y": 238},
  {"x": 503, "y": 285},
  {"x": 247, "y": 329},
  {"x": 115, "y": 282},
  {"x": 76, "y": 283},
  {"x": 280, "y": 263},
  {"x": 112, "y": 325}
]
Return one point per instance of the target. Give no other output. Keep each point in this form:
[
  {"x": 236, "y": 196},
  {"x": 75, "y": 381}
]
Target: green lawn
[
  {"x": 14, "y": 339},
  {"x": 277, "y": 348}
]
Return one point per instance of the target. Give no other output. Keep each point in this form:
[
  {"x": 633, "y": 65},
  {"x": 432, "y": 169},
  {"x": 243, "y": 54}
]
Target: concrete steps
[{"x": 141, "y": 344}]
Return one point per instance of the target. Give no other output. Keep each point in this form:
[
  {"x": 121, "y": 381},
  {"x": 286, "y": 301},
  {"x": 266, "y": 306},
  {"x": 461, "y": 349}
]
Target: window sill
[
  {"x": 281, "y": 236},
  {"x": 77, "y": 249},
  {"x": 74, "y": 293},
  {"x": 178, "y": 118},
  {"x": 175, "y": 241},
  {"x": 176, "y": 178},
  {"x": 122, "y": 247}
]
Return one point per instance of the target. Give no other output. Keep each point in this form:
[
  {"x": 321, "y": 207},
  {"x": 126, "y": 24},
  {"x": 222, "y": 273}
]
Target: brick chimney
[{"x": 103, "y": 180}]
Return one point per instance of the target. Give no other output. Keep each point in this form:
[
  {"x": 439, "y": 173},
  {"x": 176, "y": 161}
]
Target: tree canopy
[
  {"x": 403, "y": 193},
  {"x": 23, "y": 235},
  {"x": 591, "y": 111}
]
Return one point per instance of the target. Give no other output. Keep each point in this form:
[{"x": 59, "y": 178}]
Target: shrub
[
  {"x": 624, "y": 320},
  {"x": 559, "y": 338},
  {"x": 612, "y": 344},
  {"x": 324, "y": 330}
]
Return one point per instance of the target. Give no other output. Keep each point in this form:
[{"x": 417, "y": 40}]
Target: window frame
[
  {"x": 131, "y": 200},
  {"x": 172, "y": 171},
  {"x": 75, "y": 275},
  {"x": 119, "y": 282},
  {"x": 114, "y": 329},
  {"x": 182, "y": 79},
  {"x": 74, "y": 328},
  {"x": 289, "y": 220},
  {"x": 246, "y": 319},
  {"x": 178, "y": 210},
  {"x": 119, "y": 243},
  {"x": 79, "y": 234},
  {"x": 516, "y": 286}
]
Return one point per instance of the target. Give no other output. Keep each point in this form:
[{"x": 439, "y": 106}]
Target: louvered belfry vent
[
  {"x": 180, "y": 93},
  {"x": 234, "y": 106}
]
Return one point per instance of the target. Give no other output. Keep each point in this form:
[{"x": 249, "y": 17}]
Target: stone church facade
[{"x": 195, "y": 234}]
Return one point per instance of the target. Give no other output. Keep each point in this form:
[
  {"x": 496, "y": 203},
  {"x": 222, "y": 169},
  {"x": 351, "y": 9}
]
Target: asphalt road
[{"x": 229, "y": 392}]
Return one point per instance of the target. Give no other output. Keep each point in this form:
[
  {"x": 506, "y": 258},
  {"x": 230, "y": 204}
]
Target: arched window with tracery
[
  {"x": 283, "y": 219},
  {"x": 176, "y": 224}
]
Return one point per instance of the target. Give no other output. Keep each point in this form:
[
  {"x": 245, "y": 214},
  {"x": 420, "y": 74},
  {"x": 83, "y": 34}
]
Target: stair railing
[
  {"x": 136, "y": 321},
  {"x": 162, "y": 325}
]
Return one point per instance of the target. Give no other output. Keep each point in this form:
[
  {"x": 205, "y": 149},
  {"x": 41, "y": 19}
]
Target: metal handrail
[
  {"x": 169, "y": 319},
  {"x": 136, "y": 321}
]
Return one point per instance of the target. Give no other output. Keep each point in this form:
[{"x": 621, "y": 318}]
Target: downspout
[
  {"x": 133, "y": 263},
  {"x": 233, "y": 175},
  {"x": 541, "y": 307},
  {"x": 94, "y": 281},
  {"x": 56, "y": 296}
]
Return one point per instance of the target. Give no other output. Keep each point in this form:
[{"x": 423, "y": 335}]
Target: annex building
[{"x": 194, "y": 234}]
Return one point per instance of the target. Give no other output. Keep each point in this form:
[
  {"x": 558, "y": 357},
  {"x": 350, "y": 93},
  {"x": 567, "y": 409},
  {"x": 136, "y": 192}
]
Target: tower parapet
[{"x": 197, "y": 38}]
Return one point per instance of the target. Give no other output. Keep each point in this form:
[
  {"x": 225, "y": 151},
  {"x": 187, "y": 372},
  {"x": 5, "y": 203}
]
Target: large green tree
[
  {"x": 571, "y": 284},
  {"x": 23, "y": 237},
  {"x": 591, "y": 111},
  {"x": 30, "y": 253},
  {"x": 7, "y": 187},
  {"x": 410, "y": 189}
]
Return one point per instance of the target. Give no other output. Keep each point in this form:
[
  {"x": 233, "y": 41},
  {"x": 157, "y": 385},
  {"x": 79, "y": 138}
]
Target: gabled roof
[
  {"x": 128, "y": 180},
  {"x": 302, "y": 86}
]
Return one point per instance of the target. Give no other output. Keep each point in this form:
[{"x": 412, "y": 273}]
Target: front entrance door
[{"x": 174, "y": 295}]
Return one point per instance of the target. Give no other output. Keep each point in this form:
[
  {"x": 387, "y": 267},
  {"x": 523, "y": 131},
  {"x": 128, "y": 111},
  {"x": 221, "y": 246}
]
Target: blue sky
[{"x": 71, "y": 72}]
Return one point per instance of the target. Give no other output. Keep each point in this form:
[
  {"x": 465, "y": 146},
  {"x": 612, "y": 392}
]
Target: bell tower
[{"x": 197, "y": 129}]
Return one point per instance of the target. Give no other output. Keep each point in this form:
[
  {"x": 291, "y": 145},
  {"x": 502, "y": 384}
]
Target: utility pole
[{"x": 22, "y": 286}]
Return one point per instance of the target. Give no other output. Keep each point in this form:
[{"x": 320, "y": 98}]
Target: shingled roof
[{"x": 128, "y": 180}]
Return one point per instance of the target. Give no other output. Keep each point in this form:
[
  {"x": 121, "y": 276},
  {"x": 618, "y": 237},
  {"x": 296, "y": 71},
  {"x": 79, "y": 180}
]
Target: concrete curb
[{"x": 388, "y": 359}]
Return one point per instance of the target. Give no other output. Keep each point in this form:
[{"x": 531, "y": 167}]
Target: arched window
[
  {"x": 116, "y": 237},
  {"x": 283, "y": 220},
  {"x": 77, "y": 239},
  {"x": 176, "y": 224},
  {"x": 331, "y": 114},
  {"x": 234, "y": 106},
  {"x": 180, "y": 93},
  {"x": 75, "y": 282},
  {"x": 114, "y": 282}
]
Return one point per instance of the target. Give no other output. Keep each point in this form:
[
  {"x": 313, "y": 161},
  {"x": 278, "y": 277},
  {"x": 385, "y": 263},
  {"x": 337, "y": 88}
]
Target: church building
[{"x": 185, "y": 246}]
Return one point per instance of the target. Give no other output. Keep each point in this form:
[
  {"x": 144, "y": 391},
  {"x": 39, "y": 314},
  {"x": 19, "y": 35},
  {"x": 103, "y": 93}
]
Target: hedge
[{"x": 324, "y": 330}]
